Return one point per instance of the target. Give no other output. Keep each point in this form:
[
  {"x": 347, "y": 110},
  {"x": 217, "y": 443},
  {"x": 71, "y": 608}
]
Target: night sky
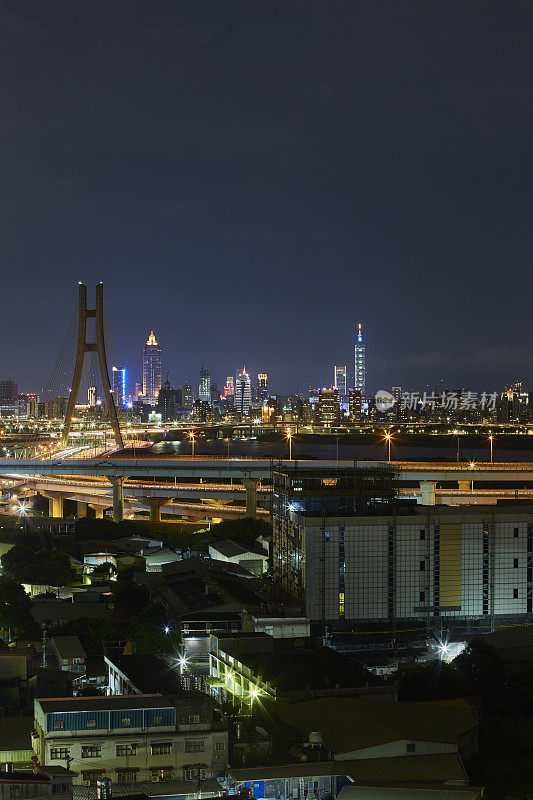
[{"x": 250, "y": 179}]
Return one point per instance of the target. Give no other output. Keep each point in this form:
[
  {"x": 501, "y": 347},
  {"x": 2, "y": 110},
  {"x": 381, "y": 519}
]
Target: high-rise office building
[
  {"x": 187, "y": 397},
  {"x": 9, "y": 391},
  {"x": 340, "y": 383},
  {"x": 328, "y": 406},
  {"x": 119, "y": 386},
  {"x": 243, "y": 393},
  {"x": 91, "y": 396},
  {"x": 204, "y": 385},
  {"x": 151, "y": 370},
  {"x": 359, "y": 363},
  {"x": 262, "y": 386},
  {"x": 229, "y": 388},
  {"x": 354, "y": 405},
  {"x": 166, "y": 405}
]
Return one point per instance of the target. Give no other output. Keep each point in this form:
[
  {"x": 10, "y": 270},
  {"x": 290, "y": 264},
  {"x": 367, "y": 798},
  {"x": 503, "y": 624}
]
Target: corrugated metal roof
[
  {"x": 67, "y": 704},
  {"x": 157, "y": 788},
  {"x": 351, "y": 792},
  {"x": 299, "y": 770},
  {"x": 15, "y": 733},
  {"x": 349, "y": 724},
  {"x": 426, "y": 768}
]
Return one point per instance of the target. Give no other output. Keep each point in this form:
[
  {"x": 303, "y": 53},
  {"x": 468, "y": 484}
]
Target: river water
[{"x": 346, "y": 452}]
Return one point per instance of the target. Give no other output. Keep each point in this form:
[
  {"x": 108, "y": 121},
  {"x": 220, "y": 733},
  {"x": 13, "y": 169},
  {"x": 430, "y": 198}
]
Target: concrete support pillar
[
  {"x": 155, "y": 504},
  {"x": 427, "y": 492},
  {"x": 55, "y": 506},
  {"x": 464, "y": 486},
  {"x": 98, "y": 511},
  {"x": 117, "y": 482},
  {"x": 81, "y": 509},
  {"x": 251, "y": 484}
]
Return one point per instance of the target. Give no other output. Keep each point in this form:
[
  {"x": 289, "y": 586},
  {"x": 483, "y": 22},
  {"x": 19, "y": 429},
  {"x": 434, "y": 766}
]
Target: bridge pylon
[{"x": 91, "y": 347}]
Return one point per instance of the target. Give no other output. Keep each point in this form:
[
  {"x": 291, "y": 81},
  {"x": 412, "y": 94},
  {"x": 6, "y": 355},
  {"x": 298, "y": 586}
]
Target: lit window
[{"x": 341, "y": 604}]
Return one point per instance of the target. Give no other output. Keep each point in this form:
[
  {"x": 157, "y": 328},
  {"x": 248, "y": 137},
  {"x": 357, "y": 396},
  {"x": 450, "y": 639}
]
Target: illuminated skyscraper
[
  {"x": 151, "y": 370},
  {"x": 119, "y": 386},
  {"x": 204, "y": 385},
  {"x": 262, "y": 386},
  {"x": 187, "y": 397},
  {"x": 243, "y": 393},
  {"x": 359, "y": 362},
  {"x": 229, "y": 388},
  {"x": 341, "y": 383}
]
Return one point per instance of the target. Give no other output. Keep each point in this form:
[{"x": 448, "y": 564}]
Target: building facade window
[
  {"x": 91, "y": 751},
  {"x": 58, "y": 753},
  {"x": 126, "y": 776},
  {"x": 161, "y": 749},
  {"x": 91, "y": 776},
  {"x": 515, "y": 594},
  {"x": 126, "y": 750},
  {"x": 194, "y": 745},
  {"x": 515, "y": 563},
  {"x": 161, "y": 774},
  {"x": 195, "y": 773},
  {"x": 194, "y": 719}
]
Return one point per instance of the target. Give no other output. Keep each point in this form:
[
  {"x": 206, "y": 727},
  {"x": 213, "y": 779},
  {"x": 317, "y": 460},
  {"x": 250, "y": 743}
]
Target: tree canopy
[
  {"x": 48, "y": 567},
  {"x": 15, "y": 607}
]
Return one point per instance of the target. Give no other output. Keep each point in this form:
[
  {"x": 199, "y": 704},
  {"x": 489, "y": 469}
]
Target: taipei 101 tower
[{"x": 359, "y": 363}]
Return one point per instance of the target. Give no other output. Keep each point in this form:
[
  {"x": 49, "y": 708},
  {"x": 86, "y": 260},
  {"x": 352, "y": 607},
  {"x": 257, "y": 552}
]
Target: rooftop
[
  {"x": 351, "y": 792},
  {"x": 350, "y": 724},
  {"x": 149, "y": 674},
  {"x": 69, "y": 647},
  {"x": 230, "y": 549},
  {"x": 157, "y": 789},
  {"x": 51, "y": 705},
  {"x": 428, "y": 768},
  {"x": 15, "y": 733}
]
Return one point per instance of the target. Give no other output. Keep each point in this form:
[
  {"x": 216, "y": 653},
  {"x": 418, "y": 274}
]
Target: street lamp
[
  {"x": 472, "y": 465},
  {"x": 388, "y": 437},
  {"x": 491, "y": 439},
  {"x": 191, "y": 437},
  {"x": 288, "y": 436}
]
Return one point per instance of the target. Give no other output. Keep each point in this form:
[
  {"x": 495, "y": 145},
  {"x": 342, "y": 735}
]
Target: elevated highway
[{"x": 132, "y": 475}]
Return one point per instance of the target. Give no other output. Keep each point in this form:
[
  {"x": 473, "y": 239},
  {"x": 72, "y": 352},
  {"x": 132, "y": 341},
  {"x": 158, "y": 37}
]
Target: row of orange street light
[{"x": 389, "y": 438}]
